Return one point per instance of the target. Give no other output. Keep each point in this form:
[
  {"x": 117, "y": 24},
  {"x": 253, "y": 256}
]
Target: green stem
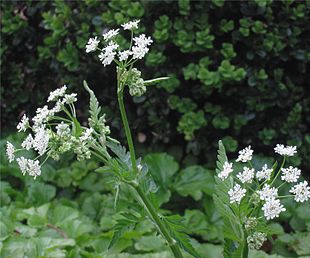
[
  {"x": 127, "y": 131},
  {"x": 172, "y": 243},
  {"x": 150, "y": 208},
  {"x": 279, "y": 171},
  {"x": 245, "y": 251}
]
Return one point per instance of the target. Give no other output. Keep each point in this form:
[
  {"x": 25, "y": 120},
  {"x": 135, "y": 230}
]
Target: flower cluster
[
  {"x": 111, "y": 50},
  {"x": 259, "y": 186},
  {"x": 124, "y": 58},
  {"x": 51, "y": 134}
]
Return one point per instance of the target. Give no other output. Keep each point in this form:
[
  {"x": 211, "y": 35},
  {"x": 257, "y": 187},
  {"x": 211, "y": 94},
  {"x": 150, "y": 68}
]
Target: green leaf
[
  {"x": 150, "y": 243},
  {"x": 162, "y": 168},
  {"x": 122, "y": 225},
  {"x": 178, "y": 232},
  {"x": 39, "y": 193},
  {"x": 96, "y": 121},
  {"x": 193, "y": 181}
]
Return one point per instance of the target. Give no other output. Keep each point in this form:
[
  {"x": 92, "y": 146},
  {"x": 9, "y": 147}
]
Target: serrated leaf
[
  {"x": 178, "y": 232},
  {"x": 94, "y": 108},
  {"x": 122, "y": 225}
]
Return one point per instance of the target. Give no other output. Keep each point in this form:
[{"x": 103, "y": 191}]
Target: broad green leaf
[
  {"x": 150, "y": 243},
  {"x": 39, "y": 193},
  {"x": 193, "y": 181},
  {"x": 162, "y": 168},
  {"x": 19, "y": 247}
]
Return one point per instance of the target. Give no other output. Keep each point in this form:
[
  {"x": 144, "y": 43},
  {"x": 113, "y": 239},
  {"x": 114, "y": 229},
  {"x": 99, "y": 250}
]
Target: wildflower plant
[
  {"x": 55, "y": 130},
  {"x": 246, "y": 199},
  {"x": 249, "y": 199}
]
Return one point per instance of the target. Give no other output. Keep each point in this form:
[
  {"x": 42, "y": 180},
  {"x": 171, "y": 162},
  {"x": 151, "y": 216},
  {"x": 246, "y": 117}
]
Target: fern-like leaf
[
  {"x": 178, "y": 232},
  {"x": 232, "y": 228},
  {"x": 94, "y": 108}
]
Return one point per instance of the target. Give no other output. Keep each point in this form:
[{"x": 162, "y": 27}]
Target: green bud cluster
[{"x": 256, "y": 240}]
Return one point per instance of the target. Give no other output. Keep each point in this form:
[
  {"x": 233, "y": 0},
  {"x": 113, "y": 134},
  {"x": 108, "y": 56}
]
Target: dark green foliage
[{"x": 236, "y": 69}]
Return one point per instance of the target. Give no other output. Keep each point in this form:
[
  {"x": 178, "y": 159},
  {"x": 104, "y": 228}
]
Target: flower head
[
  {"x": 290, "y": 174},
  {"x": 285, "y": 151},
  {"x": 108, "y": 53},
  {"x": 40, "y": 141},
  {"x": 265, "y": 173},
  {"x": 247, "y": 175},
  {"x": 28, "y": 142},
  {"x": 245, "y": 155},
  {"x": 140, "y": 48},
  {"x": 110, "y": 34},
  {"x": 10, "y": 151},
  {"x": 56, "y": 94},
  {"x": 236, "y": 194},
  {"x": 272, "y": 208},
  {"x": 268, "y": 192},
  {"x": 123, "y": 55},
  {"x": 32, "y": 167},
  {"x": 227, "y": 169},
  {"x": 23, "y": 124},
  {"x": 92, "y": 44},
  {"x": 301, "y": 191},
  {"x": 63, "y": 130},
  {"x": 131, "y": 25}
]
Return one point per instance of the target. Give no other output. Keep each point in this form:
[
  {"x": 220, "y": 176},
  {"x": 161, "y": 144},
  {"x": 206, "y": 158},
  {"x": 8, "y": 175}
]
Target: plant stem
[
  {"x": 172, "y": 243},
  {"x": 150, "y": 208},
  {"x": 127, "y": 132}
]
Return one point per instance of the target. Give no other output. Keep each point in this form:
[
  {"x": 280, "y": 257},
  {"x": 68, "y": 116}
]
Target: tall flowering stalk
[
  {"x": 55, "y": 130},
  {"x": 249, "y": 199}
]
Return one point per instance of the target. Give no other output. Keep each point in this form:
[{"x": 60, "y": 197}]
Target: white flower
[
  {"x": 272, "y": 208},
  {"x": 285, "y": 151},
  {"x": 23, "y": 164},
  {"x": 28, "y": 142},
  {"x": 236, "y": 194},
  {"x": 140, "y": 48},
  {"x": 142, "y": 40},
  {"x": 108, "y": 53},
  {"x": 42, "y": 115},
  {"x": 268, "y": 192},
  {"x": 63, "y": 130},
  {"x": 23, "y": 124},
  {"x": 245, "y": 155},
  {"x": 290, "y": 174},
  {"x": 56, "y": 94},
  {"x": 32, "y": 167},
  {"x": 57, "y": 108},
  {"x": 92, "y": 44},
  {"x": 110, "y": 34},
  {"x": 123, "y": 55},
  {"x": 86, "y": 135},
  {"x": 227, "y": 169},
  {"x": 69, "y": 98},
  {"x": 301, "y": 191},
  {"x": 40, "y": 141},
  {"x": 131, "y": 25},
  {"x": 246, "y": 176},
  {"x": 265, "y": 173},
  {"x": 10, "y": 151}
]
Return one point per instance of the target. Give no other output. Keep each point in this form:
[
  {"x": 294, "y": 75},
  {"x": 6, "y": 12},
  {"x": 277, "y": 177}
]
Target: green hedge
[{"x": 238, "y": 69}]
